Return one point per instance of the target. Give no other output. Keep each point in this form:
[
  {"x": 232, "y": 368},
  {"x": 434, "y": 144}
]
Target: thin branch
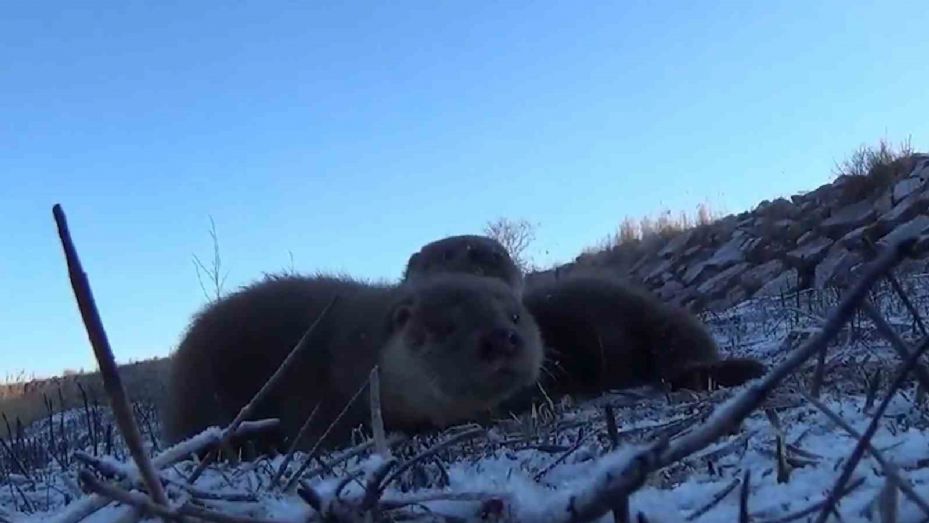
[
  {"x": 109, "y": 371},
  {"x": 888, "y": 467},
  {"x": 743, "y": 497},
  {"x": 462, "y": 436},
  {"x": 721, "y": 495},
  {"x": 896, "y": 342},
  {"x": 208, "y": 438},
  {"x": 293, "y": 446},
  {"x": 143, "y": 502},
  {"x": 377, "y": 418},
  {"x": 865, "y": 438},
  {"x": 265, "y": 389},
  {"x": 815, "y": 506},
  {"x": 597, "y": 500},
  {"x": 306, "y": 461}
]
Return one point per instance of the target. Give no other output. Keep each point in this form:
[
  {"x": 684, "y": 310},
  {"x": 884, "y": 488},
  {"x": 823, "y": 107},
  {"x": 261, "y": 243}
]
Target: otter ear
[
  {"x": 402, "y": 315},
  {"x": 411, "y": 264}
]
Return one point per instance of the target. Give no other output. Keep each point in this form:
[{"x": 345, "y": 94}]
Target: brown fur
[
  {"x": 603, "y": 333},
  {"x": 450, "y": 347},
  {"x": 472, "y": 254}
]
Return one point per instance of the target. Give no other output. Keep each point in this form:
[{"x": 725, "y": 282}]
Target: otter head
[
  {"x": 459, "y": 345},
  {"x": 470, "y": 254}
]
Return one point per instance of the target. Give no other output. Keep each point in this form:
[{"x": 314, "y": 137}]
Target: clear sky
[{"x": 351, "y": 133}]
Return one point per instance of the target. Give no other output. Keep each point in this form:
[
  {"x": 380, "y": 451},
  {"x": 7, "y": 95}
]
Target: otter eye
[
  {"x": 402, "y": 316},
  {"x": 515, "y": 317}
]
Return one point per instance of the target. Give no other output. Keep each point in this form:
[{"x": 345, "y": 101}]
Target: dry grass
[
  {"x": 22, "y": 403},
  {"x": 870, "y": 169},
  {"x": 637, "y": 237}
]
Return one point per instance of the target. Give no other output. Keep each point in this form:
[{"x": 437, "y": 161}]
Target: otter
[
  {"x": 601, "y": 332},
  {"x": 604, "y": 333},
  {"x": 450, "y": 348},
  {"x": 467, "y": 253}
]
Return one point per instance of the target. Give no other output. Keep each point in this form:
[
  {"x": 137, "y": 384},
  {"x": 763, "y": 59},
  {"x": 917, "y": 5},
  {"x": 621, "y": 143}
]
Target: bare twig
[
  {"x": 597, "y": 500},
  {"x": 373, "y": 488},
  {"x": 17, "y": 462},
  {"x": 581, "y": 438},
  {"x": 145, "y": 503},
  {"x": 393, "y": 439},
  {"x": 887, "y": 501},
  {"x": 611, "y": 428},
  {"x": 269, "y": 385},
  {"x": 721, "y": 495},
  {"x": 377, "y": 418},
  {"x": 819, "y": 373},
  {"x": 109, "y": 371},
  {"x": 209, "y": 438},
  {"x": 794, "y": 516},
  {"x": 462, "y": 436},
  {"x": 309, "y": 455},
  {"x": 896, "y": 343},
  {"x": 743, "y": 497},
  {"x": 293, "y": 446},
  {"x": 865, "y": 438},
  {"x": 889, "y": 469}
]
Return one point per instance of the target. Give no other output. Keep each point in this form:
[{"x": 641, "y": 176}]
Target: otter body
[
  {"x": 602, "y": 333},
  {"x": 599, "y": 332},
  {"x": 449, "y": 347},
  {"x": 470, "y": 254}
]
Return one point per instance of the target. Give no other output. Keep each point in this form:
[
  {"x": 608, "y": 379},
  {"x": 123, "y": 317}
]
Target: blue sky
[{"x": 351, "y": 133}]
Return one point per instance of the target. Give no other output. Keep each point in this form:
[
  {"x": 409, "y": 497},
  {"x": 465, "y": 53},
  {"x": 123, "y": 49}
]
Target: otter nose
[{"x": 500, "y": 343}]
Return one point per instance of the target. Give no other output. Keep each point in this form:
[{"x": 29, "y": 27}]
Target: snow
[{"x": 531, "y": 471}]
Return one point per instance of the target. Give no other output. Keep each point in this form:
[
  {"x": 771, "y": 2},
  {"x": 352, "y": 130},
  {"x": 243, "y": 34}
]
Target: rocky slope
[{"x": 813, "y": 240}]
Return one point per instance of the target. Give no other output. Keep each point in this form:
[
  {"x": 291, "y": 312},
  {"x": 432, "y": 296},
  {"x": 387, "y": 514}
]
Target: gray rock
[
  {"x": 691, "y": 251},
  {"x": 812, "y": 252},
  {"x": 907, "y": 186},
  {"x": 695, "y": 272},
  {"x": 807, "y": 237},
  {"x": 848, "y": 218},
  {"x": 920, "y": 167},
  {"x": 676, "y": 244},
  {"x": 731, "y": 252},
  {"x": 779, "y": 208},
  {"x": 717, "y": 286},
  {"x": 834, "y": 266},
  {"x": 918, "y": 226},
  {"x": 669, "y": 290},
  {"x": 855, "y": 239},
  {"x": 903, "y": 211},
  {"x": 786, "y": 230},
  {"x": 884, "y": 202},
  {"x": 783, "y": 283},
  {"x": 735, "y": 296},
  {"x": 655, "y": 274},
  {"x": 756, "y": 277}
]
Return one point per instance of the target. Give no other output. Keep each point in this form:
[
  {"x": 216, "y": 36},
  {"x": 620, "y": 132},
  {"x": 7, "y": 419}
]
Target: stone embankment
[{"x": 813, "y": 240}]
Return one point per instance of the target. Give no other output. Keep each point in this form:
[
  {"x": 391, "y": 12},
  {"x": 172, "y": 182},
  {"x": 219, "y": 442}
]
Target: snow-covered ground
[{"x": 527, "y": 470}]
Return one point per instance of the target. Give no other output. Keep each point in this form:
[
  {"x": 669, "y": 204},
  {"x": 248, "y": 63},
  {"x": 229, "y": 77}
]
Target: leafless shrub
[
  {"x": 213, "y": 274},
  {"x": 515, "y": 236},
  {"x": 872, "y": 168}
]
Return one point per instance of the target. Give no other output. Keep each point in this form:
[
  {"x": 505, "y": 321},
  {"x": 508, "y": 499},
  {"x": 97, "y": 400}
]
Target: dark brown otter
[
  {"x": 472, "y": 254},
  {"x": 450, "y": 348},
  {"x": 603, "y": 333}
]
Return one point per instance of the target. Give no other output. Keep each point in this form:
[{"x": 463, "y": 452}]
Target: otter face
[
  {"x": 469, "y": 254},
  {"x": 470, "y": 338}
]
